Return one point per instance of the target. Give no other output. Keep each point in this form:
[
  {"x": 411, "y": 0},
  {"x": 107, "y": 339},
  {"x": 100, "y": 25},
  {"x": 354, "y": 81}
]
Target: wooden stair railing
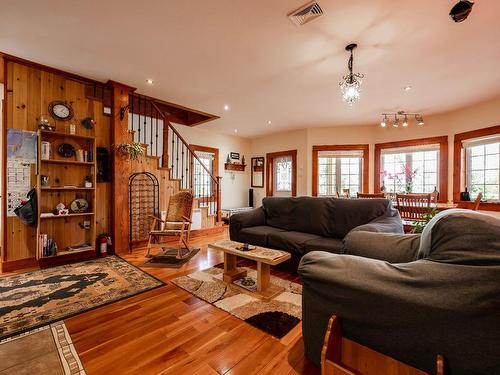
[{"x": 155, "y": 130}]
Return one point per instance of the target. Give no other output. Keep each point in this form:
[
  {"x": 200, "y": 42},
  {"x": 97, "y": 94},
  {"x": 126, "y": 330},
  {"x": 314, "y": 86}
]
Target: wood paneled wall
[{"x": 29, "y": 90}]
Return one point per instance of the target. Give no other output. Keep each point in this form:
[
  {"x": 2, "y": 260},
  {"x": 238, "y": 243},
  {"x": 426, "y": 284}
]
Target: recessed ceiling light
[
  {"x": 149, "y": 81},
  {"x": 226, "y": 108},
  {"x": 407, "y": 88}
]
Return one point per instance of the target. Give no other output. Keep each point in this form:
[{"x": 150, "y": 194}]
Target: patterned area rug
[
  {"x": 276, "y": 317},
  {"x": 43, "y": 351},
  {"x": 37, "y": 298}
]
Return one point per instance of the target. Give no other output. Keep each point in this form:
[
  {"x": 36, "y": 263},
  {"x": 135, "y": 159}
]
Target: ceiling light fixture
[
  {"x": 149, "y": 81},
  {"x": 407, "y": 88},
  {"x": 226, "y": 108},
  {"x": 401, "y": 116},
  {"x": 351, "y": 83},
  {"x": 236, "y": 130},
  {"x": 269, "y": 122}
]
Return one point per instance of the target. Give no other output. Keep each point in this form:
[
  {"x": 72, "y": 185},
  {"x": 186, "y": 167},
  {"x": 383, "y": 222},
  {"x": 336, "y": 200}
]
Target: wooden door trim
[
  {"x": 358, "y": 147},
  {"x": 269, "y": 170},
  {"x": 443, "y": 160}
]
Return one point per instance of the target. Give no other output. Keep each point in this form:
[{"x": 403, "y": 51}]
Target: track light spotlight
[
  {"x": 419, "y": 119},
  {"x": 396, "y": 122},
  {"x": 383, "y": 123},
  {"x": 405, "y": 122}
]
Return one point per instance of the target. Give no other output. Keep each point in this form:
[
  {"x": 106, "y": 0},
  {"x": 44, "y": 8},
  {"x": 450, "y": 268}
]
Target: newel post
[
  {"x": 120, "y": 166},
  {"x": 219, "y": 212}
]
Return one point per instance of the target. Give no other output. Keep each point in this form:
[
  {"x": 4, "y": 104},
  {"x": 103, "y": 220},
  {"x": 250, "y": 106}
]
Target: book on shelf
[{"x": 47, "y": 247}]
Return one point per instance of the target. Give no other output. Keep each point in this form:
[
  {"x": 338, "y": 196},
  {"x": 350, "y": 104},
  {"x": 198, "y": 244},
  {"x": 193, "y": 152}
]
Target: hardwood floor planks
[{"x": 169, "y": 331}]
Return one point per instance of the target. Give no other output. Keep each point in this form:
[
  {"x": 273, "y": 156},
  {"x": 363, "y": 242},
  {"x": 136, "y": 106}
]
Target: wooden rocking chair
[{"x": 177, "y": 223}]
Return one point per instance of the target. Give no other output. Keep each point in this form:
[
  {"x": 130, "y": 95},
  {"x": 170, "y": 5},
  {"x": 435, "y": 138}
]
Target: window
[
  {"x": 416, "y": 165},
  {"x": 482, "y": 159},
  {"x": 283, "y": 174},
  {"x": 339, "y": 171},
  {"x": 337, "y": 168},
  {"x": 202, "y": 182},
  {"x": 412, "y": 170}
]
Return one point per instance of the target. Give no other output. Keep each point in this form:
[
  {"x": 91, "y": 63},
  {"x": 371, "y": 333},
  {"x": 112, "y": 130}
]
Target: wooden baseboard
[{"x": 18, "y": 264}]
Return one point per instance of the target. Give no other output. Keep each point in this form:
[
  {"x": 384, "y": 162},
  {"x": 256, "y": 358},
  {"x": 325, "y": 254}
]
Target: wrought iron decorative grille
[{"x": 144, "y": 194}]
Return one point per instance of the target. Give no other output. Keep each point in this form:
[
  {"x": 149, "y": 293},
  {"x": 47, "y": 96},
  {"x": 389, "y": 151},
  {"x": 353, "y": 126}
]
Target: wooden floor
[{"x": 169, "y": 331}]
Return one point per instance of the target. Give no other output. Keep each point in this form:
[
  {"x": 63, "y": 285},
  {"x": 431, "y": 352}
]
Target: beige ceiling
[{"x": 247, "y": 54}]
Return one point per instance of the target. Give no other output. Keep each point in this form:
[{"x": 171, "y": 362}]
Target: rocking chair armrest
[
  {"x": 156, "y": 218},
  {"x": 187, "y": 219}
]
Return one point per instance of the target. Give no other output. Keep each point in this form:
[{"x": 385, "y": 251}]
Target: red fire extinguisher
[{"x": 103, "y": 245}]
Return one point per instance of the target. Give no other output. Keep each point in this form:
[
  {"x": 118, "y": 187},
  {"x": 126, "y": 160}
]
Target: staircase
[{"x": 170, "y": 158}]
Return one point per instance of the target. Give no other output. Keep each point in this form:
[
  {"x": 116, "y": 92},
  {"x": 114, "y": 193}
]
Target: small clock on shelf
[{"x": 61, "y": 110}]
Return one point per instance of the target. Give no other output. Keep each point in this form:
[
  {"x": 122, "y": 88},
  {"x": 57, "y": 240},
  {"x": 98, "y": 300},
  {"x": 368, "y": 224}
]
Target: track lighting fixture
[{"x": 401, "y": 116}]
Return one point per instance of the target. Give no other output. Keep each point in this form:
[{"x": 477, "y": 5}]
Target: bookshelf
[{"x": 62, "y": 179}]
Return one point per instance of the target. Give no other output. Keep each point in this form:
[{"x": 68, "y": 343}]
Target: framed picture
[{"x": 235, "y": 155}]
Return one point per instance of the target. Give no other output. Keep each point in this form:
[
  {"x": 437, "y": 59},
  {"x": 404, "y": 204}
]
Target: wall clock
[{"x": 60, "y": 110}]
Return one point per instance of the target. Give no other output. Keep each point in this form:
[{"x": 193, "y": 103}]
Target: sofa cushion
[
  {"x": 326, "y": 217},
  {"x": 257, "y": 235},
  {"x": 331, "y": 245},
  {"x": 293, "y": 242},
  {"x": 462, "y": 237}
]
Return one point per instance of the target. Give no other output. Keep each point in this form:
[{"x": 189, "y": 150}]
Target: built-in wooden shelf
[
  {"x": 68, "y": 252},
  {"x": 59, "y": 188},
  {"x": 70, "y": 162},
  {"x": 234, "y": 167},
  {"x": 63, "y": 134},
  {"x": 68, "y": 215}
]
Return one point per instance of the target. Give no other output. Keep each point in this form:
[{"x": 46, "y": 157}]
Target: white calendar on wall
[{"x": 18, "y": 183}]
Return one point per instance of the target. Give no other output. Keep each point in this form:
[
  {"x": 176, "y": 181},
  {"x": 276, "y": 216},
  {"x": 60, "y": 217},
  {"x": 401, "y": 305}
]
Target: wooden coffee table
[{"x": 264, "y": 257}]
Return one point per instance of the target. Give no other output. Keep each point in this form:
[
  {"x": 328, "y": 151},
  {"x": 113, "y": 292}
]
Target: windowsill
[{"x": 486, "y": 206}]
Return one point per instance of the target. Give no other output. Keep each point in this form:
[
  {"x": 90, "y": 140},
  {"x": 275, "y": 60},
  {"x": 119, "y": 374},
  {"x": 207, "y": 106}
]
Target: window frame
[
  {"x": 356, "y": 147},
  {"x": 215, "y": 169},
  {"x": 459, "y": 166},
  {"x": 442, "y": 161}
]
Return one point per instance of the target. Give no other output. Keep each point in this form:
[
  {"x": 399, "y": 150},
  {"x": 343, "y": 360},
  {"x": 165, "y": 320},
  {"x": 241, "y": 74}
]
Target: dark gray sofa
[
  {"x": 438, "y": 293},
  {"x": 303, "y": 224}
]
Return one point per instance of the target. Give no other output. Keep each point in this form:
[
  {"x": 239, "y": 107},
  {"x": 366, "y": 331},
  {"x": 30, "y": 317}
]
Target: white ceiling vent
[{"x": 305, "y": 14}]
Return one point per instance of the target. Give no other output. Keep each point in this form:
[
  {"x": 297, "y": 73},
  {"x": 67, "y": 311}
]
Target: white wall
[
  {"x": 234, "y": 185},
  {"x": 477, "y": 116}
]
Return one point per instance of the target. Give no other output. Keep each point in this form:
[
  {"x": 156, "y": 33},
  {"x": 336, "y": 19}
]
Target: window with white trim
[
  {"x": 202, "y": 182},
  {"x": 482, "y": 160},
  {"x": 339, "y": 171},
  {"x": 412, "y": 169}
]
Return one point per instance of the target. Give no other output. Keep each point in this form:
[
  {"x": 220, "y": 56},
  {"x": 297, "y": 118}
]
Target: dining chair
[
  {"x": 370, "y": 196},
  {"x": 413, "y": 207},
  {"x": 477, "y": 201}
]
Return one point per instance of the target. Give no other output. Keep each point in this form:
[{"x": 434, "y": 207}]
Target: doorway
[{"x": 281, "y": 174}]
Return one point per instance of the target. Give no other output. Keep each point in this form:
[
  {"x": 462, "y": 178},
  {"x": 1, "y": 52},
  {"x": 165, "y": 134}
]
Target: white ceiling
[{"x": 247, "y": 54}]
